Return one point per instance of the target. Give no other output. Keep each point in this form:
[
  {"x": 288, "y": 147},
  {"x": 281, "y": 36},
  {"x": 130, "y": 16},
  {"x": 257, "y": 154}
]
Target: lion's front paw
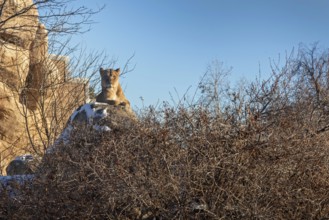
[{"x": 112, "y": 102}]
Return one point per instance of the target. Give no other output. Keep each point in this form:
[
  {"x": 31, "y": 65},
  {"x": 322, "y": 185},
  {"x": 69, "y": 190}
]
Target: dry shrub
[
  {"x": 264, "y": 158},
  {"x": 189, "y": 166}
]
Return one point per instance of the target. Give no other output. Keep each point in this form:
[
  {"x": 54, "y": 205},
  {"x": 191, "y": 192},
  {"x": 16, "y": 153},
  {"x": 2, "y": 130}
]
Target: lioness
[{"x": 111, "y": 90}]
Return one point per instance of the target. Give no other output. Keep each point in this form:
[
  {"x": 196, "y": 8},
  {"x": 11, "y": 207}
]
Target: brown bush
[{"x": 263, "y": 156}]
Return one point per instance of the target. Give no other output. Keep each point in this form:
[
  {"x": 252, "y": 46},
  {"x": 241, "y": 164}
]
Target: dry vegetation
[{"x": 259, "y": 152}]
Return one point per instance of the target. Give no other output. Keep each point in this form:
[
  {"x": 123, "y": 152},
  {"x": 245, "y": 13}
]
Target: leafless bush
[{"x": 263, "y": 156}]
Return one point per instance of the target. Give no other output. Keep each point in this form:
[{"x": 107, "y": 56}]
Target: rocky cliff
[{"x": 36, "y": 97}]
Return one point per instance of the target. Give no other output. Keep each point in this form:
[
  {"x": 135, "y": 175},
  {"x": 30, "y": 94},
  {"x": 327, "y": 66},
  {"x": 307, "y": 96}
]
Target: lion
[{"x": 112, "y": 92}]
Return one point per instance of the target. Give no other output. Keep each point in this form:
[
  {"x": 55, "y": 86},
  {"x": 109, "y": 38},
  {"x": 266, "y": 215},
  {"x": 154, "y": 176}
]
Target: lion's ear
[
  {"x": 101, "y": 70},
  {"x": 117, "y": 70}
]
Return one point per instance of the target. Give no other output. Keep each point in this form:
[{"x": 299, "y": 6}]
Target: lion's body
[{"x": 112, "y": 92}]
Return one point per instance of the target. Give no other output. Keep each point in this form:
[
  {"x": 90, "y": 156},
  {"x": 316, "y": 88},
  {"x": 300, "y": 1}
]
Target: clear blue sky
[{"x": 175, "y": 40}]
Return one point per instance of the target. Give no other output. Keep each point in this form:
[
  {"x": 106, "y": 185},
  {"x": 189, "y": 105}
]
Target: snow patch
[
  {"x": 101, "y": 128},
  {"x": 7, "y": 183},
  {"x": 24, "y": 158},
  {"x": 101, "y": 114},
  {"x": 91, "y": 111}
]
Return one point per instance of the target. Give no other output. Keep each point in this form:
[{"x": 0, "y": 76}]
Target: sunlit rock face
[
  {"x": 16, "y": 36},
  {"x": 26, "y": 69},
  {"x": 19, "y": 30}
]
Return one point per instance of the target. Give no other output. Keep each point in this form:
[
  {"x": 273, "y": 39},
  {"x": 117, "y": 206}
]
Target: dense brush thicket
[{"x": 261, "y": 152}]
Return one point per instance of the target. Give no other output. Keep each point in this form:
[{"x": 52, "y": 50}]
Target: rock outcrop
[
  {"x": 36, "y": 94},
  {"x": 22, "y": 165},
  {"x": 16, "y": 36},
  {"x": 99, "y": 116}
]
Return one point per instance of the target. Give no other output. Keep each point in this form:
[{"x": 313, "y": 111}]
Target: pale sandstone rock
[
  {"x": 19, "y": 30},
  {"x": 62, "y": 64},
  {"x": 14, "y": 65},
  {"x": 11, "y": 126},
  {"x": 38, "y": 69},
  {"x": 39, "y": 46},
  {"x": 26, "y": 69},
  {"x": 16, "y": 36}
]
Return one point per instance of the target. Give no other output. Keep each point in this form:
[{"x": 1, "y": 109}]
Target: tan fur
[{"x": 112, "y": 92}]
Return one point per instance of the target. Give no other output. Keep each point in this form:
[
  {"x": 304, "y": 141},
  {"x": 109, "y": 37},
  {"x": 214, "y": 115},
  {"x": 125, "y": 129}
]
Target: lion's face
[{"x": 110, "y": 78}]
